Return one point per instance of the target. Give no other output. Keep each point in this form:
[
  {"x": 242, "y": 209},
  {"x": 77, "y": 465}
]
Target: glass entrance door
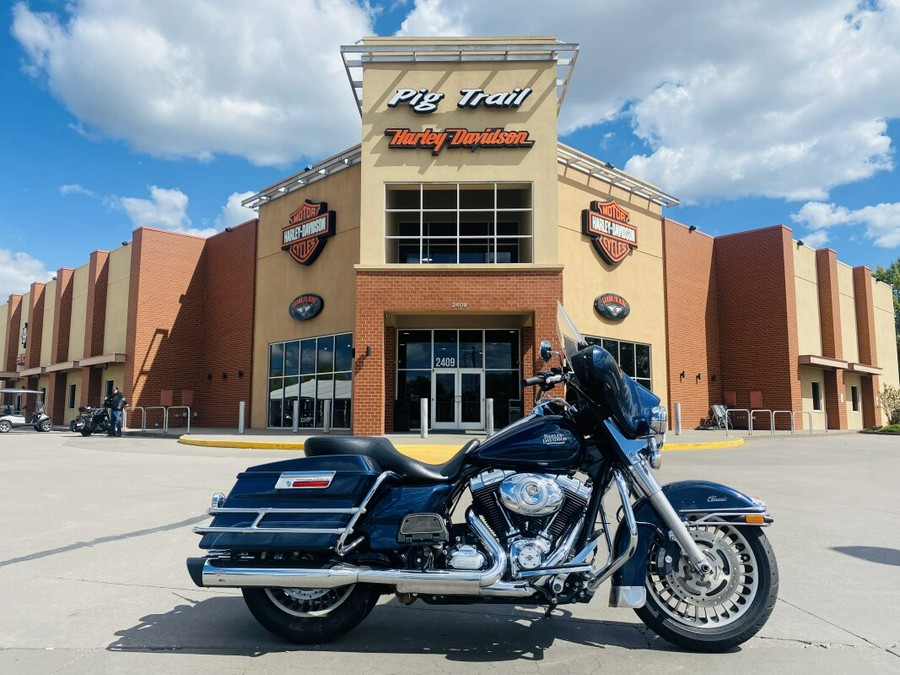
[{"x": 458, "y": 399}]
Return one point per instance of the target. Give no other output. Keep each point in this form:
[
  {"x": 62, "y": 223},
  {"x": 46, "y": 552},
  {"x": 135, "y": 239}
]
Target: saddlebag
[{"x": 300, "y": 504}]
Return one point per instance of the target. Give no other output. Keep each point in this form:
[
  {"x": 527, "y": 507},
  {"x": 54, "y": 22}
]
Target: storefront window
[
  {"x": 633, "y": 358},
  {"x": 458, "y": 223},
  {"x": 324, "y": 366}
]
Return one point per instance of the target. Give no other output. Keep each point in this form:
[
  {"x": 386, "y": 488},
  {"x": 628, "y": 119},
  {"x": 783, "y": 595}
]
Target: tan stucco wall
[
  {"x": 809, "y": 324},
  {"x": 79, "y": 312},
  {"x": 849, "y": 336},
  {"x": 73, "y": 377},
  {"x": 47, "y": 328},
  {"x": 535, "y": 165},
  {"x": 280, "y": 279},
  {"x": 638, "y": 278},
  {"x": 114, "y": 372},
  {"x": 117, "y": 288},
  {"x": 885, "y": 339},
  {"x": 807, "y": 377},
  {"x": 854, "y": 419},
  {"x": 26, "y": 305}
]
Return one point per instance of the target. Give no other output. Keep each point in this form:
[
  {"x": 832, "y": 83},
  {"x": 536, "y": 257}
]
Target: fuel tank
[{"x": 541, "y": 443}]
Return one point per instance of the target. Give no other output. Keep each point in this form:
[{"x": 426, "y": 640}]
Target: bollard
[
  {"x": 241, "y": 407},
  {"x": 296, "y": 415},
  {"x": 489, "y": 414},
  {"x": 678, "y": 419},
  {"x": 326, "y": 412},
  {"x": 423, "y": 412}
]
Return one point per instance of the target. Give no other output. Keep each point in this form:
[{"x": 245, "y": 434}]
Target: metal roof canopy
[
  {"x": 399, "y": 50},
  {"x": 609, "y": 174}
]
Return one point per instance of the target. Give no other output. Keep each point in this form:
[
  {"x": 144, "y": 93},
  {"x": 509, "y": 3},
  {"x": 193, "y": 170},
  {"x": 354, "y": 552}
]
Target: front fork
[{"x": 646, "y": 483}]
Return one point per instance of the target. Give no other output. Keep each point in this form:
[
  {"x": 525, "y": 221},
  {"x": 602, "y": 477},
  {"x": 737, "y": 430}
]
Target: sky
[{"x": 118, "y": 114}]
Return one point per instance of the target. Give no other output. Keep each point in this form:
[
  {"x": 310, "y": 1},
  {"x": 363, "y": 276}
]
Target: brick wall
[
  {"x": 165, "y": 333},
  {"x": 229, "y": 277},
  {"x": 13, "y": 331},
  {"x": 95, "y": 320},
  {"x": 35, "y": 326},
  {"x": 832, "y": 338},
  {"x": 758, "y": 319},
  {"x": 532, "y": 293},
  {"x": 868, "y": 349},
  {"x": 59, "y": 350},
  {"x": 692, "y": 323}
]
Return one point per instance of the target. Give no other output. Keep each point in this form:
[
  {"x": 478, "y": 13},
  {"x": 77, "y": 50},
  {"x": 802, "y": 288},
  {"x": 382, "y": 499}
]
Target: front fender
[{"x": 692, "y": 500}]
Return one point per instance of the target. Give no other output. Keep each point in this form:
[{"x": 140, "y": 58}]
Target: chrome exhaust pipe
[{"x": 227, "y": 574}]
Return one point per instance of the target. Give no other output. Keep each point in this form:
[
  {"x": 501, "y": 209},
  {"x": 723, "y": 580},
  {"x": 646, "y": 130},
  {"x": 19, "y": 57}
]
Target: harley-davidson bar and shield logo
[
  {"x": 606, "y": 223},
  {"x": 612, "y": 306},
  {"x": 306, "y": 236}
]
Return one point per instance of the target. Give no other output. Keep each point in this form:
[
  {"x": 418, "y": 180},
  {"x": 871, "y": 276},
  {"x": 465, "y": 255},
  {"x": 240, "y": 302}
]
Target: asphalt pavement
[{"x": 95, "y": 532}]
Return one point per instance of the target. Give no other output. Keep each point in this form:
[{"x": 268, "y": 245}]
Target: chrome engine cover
[
  {"x": 531, "y": 494},
  {"x": 466, "y": 557},
  {"x": 528, "y": 554}
]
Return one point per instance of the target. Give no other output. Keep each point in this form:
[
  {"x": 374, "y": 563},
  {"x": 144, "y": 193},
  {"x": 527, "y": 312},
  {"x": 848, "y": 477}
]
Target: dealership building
[{"x": 426, "y": 263}]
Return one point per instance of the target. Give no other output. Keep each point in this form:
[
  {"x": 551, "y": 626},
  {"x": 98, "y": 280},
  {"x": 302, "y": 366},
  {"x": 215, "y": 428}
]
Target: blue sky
[{"x": 166, "y": 114}]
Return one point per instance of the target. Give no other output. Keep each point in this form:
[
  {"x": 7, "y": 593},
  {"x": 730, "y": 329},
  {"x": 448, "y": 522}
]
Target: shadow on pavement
[
  {"x": 876, "y": 554},
  {"x": 472, "y": 633}
]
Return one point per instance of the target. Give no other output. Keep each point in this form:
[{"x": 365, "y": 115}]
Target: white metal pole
[
  {"x": 241, "y": 407},
  {"x": 489, "y": 413},
  {"x": 423, "y": 413},
  {"x": 296, "y": 415}
]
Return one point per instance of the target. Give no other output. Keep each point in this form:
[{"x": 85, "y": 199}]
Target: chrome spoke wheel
[
  {"x": 712, "y": 600},
  {"x": 309, "y": 602}
]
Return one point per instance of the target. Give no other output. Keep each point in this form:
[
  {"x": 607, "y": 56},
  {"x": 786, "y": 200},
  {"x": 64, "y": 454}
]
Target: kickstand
[{"x": 549, "y": 613}]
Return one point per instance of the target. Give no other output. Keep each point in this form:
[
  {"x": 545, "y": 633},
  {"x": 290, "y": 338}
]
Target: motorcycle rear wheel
[
  {"x": 85, "y": 432},
  {"x": 716, "y": 613},
  {"x": 309, "y": 616}
]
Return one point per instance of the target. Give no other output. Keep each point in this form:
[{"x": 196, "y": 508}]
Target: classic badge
[
  {"x": 606, "y": 223},
  {"x": 306, "y": 306},
  {"x": 308, "y": 232},
  {"x": 612, "y": 306}
]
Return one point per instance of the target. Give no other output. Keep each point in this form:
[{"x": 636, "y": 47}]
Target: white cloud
[
  {"x": 233, "y": 213},
  {"x": 768, "y": 98},
  {"x": 262, "y": 80},
  {"x": 18, "y": 271},
  {"x": 75, "y": 189},
  {"x": 165, "y": 210},
  {"x": 880, "y": 223}
]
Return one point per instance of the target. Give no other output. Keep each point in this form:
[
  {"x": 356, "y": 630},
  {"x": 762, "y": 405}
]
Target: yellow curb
[
  {"x": 429, "y": 454},
  {"x": 712, "y": 445}
]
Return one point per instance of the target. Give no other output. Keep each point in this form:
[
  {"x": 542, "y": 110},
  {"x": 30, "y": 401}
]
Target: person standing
[{"x": 116, "y": 403}]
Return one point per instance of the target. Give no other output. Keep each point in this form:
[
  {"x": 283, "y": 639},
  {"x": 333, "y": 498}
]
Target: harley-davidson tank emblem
[
  {"x": 612, "y": 306},
  {"x": 606, "y": 223},
  {"x": 308, "y": 231}
]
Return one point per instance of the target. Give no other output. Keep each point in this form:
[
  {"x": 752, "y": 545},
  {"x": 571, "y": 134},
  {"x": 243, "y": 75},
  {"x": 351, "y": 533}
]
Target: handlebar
[{"x": 546, "y": 379}]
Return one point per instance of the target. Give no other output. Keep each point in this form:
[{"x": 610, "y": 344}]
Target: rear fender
[{"x": 694, "y": 501}]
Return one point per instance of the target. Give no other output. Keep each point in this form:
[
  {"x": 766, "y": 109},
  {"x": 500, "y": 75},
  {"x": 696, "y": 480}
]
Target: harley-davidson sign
[
  {"x": 306, "y": 306},
  {"x": 308, "y": 231},
  {"x": 606, "y": 223},
  {"x": 612, "y": 306},
  {"x": 436, "y": 141}
]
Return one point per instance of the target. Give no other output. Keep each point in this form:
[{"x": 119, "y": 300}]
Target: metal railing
[
  {"x": 177, "y": 407},
  {"x": 728, "y": 412},
  {"x": 810, "y": 413},
  {"x": 156, "y": 407},
  {"x": 762, "y": 410},
  {"x": 127, "y": 411},
  {"x": 790, "y": 413},
  {"x": 729, "y": 424}
]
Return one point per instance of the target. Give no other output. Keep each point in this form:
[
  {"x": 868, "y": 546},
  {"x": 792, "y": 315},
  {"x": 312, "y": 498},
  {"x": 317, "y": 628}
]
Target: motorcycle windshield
[{"x": 599, "y": 377}]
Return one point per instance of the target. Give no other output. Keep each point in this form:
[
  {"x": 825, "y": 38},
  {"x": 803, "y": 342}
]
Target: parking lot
[{"x": 95, "y": 532}]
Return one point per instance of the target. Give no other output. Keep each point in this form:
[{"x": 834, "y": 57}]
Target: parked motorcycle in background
[
  {"x": 313, "y": 542},
  {"x": 90, "y": 421}
]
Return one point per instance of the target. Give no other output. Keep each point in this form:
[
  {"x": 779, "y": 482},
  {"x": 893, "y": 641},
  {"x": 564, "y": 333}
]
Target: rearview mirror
[{"x": 546, "y": 351}]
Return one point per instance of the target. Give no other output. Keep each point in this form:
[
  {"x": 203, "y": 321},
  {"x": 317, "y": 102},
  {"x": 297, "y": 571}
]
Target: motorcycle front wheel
[
  {"x": 310, "y": 616},
  {"x": 716, "y": 612}
]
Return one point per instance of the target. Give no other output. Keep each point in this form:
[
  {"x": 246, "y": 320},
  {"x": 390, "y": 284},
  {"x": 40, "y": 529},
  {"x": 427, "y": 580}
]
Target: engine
[{"x": 528, "y": 512}]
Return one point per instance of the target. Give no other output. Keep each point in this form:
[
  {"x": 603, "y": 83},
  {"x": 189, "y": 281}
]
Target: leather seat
[{"x": 383, "y": 452}]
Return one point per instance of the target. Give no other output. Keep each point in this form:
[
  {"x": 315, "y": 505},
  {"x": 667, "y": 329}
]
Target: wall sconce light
[
  {"x": 368, "y": 350},
  {"x": 228, "y": 229},
  {"x": 698, "y": 377},
  {"x": 712, "y": 378},
  {"x": 681, "y": 376},
  {"x": 799, "y": 243},
  {"x": 691, "y": 228},
  {"x": 124, "y": 243},
  {"x": 224, "y": 376},
  {"x": 240, "y": 373},
  {"x": 209, "y": 377}
]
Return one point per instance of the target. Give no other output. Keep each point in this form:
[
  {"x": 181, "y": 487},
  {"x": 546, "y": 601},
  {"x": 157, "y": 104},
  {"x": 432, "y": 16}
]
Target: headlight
[{"x": 659, "y": 420}]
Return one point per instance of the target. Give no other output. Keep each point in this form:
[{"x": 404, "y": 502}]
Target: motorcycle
[
  {"x": 90, "y": 420},
  {"x": 313, "y": 542}
]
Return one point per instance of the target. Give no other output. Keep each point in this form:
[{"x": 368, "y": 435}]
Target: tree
[{"x": 891, "y": 275}]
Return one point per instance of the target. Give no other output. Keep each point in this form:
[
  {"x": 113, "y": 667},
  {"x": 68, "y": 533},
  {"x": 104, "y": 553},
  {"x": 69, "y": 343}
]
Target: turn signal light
[{"x": 755, "y": 519}]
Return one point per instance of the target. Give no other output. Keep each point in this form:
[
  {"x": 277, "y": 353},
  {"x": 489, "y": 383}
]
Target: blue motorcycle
[{"x": 518, "y": 518}]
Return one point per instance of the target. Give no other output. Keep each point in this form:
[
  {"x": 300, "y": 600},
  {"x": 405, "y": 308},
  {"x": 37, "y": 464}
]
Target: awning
[
  {"x": 31, "y": 372},
  {"x": 101, "y": 360},
  {"x": 866, "y": 370},
  {"x": 822, "y": 362},
  {"x": 64, "y": 366}
]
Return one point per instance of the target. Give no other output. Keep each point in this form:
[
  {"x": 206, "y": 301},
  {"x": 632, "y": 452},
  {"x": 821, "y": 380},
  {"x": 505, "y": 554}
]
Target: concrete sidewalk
[{"x": 437, "y": 447}]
